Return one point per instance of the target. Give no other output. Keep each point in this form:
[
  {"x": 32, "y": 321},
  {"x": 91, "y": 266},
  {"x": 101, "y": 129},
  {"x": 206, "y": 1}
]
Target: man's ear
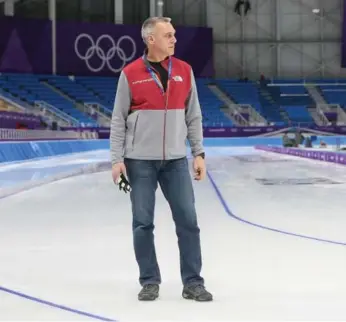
[{"x": 150, "y": 39}]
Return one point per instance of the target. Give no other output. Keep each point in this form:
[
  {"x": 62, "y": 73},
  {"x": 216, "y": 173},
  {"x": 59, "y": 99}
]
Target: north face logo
[{"x": 178, "y": 78}]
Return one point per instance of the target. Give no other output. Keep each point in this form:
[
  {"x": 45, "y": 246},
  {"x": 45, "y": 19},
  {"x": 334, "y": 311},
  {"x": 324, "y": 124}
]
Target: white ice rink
[{"x": 273, "y": 232}]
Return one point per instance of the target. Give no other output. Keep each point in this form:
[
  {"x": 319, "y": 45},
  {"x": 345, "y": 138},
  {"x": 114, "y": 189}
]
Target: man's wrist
[
  {"x": 116, "y": 162},
  {"x": 202, "y": 155}
]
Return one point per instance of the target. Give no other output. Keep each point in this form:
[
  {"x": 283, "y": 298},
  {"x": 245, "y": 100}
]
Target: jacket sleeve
[
  {"x": 193, "y": 119},
  {"x": 118, "y": 122}
]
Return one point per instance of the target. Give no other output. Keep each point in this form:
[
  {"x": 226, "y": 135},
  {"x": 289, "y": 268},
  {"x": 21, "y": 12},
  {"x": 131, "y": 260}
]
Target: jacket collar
[{"x": 147, "y": 63}]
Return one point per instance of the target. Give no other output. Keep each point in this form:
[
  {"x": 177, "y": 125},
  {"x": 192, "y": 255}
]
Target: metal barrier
[{"x": 25, "y": 135}]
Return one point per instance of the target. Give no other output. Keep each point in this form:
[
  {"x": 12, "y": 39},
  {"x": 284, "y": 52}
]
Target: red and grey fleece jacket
[{"x": 150, "y": 124}]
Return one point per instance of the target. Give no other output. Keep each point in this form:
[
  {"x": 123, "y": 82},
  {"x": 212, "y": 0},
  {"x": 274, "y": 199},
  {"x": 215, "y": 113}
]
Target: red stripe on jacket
[{"x": 146, "y": 94}]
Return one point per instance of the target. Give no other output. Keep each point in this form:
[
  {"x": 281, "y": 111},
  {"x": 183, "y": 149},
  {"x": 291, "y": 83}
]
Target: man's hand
[
  {"x": 117, "y": 170},
  {"x": 199, "y": 168}
]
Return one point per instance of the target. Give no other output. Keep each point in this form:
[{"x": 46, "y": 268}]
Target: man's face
[{"x": 163, "y": 38}]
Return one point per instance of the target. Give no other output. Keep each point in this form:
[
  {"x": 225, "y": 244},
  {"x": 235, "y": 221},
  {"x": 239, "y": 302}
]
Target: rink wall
[
  {"x": 11, "y": 151},
  {"x": 260, "y": 141},
  {"x": 326, "y": 156},
  {"x": 21, "y": 151}
]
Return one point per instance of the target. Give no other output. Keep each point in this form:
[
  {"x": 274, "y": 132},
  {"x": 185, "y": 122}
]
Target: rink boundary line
[
  {"x": 58, "y": 306},
  {"x": 232, "y": 215},
  {"x": 94, "y": 168}
]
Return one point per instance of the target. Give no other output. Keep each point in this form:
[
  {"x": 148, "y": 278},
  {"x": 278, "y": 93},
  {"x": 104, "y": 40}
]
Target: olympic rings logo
[{"x": 103, "y": 55}]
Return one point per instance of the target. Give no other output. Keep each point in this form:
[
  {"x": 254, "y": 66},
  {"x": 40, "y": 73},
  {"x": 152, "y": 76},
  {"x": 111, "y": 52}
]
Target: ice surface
[{"x": 70, "y": 242}]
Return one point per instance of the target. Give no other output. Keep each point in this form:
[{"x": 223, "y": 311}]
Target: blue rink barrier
[
  {"x": 255, "y": 141},
  {"x": 22, "y": 151},
  {"x": 326, "y": 156}
]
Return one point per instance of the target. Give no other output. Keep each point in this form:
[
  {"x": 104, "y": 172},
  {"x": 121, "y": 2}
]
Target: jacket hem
[{"x": 159, "y": 158}]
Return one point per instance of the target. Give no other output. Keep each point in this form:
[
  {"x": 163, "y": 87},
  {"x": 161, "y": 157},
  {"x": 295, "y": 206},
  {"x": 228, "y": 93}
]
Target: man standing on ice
[{"x": 156, "y": 109}]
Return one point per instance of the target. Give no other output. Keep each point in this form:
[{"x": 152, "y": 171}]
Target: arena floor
[{"x": 273, "y": 240}]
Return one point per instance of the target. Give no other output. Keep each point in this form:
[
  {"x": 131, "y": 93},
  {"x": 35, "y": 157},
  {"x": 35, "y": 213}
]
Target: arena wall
[{"x": 27, "y": 150}]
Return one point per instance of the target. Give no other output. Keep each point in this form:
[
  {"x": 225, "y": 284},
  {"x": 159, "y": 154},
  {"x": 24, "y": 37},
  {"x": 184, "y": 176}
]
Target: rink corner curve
[{"x": 224, "y": 203}]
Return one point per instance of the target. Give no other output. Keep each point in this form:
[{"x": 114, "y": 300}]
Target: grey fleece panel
[
  {"x": 141, "y": 135},
  {"x": 194, "y": 120},
  {"x": 176, "y": 134},
  {"x": 144, "y": 135},
  {"x": 147, "y": 139},
  {"x": 118, "y": 124}
]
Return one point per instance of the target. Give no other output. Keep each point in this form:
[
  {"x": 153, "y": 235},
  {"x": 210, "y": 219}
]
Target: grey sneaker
[
  {"x": 149, "y": 292},
  {"x": 197, "y": 293}
]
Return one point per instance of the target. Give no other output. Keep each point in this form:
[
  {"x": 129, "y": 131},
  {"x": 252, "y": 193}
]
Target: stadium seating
[
  {"x": 29, "y": 89},
  {"x": 279, "y": 101},
  {"x": 76, "y": 91},
  {"x": 250, "y": 93},
  {"x": 242, "y": 93},
  {"x": 295, "y": 100},
  {"x": 332, "y": 90},
  {"x": 104, "y": 88},
  {"x": 63, "y": 93},
  {"x": 210, "y": 105},
  {"x": 334, "y": 94},
  {"x": 4, "y": 106}
]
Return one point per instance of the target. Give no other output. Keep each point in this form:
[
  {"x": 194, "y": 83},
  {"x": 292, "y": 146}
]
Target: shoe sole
[
  {"x": 190, "y": 297},
  {"x": 148, "y": 298}
]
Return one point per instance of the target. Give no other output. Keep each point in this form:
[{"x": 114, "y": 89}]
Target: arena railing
[{"x": 26, "y": 135}]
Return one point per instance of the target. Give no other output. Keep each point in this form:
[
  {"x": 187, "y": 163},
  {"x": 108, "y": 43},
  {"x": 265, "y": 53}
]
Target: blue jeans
[{"x": 175, "y": 181}]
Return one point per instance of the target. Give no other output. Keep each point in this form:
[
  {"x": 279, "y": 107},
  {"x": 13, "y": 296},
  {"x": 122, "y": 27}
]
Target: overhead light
[{"x": 316, "y": 11}]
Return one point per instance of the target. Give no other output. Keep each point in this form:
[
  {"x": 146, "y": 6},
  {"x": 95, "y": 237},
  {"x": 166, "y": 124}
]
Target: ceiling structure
[{"x": 277, "y": 38}]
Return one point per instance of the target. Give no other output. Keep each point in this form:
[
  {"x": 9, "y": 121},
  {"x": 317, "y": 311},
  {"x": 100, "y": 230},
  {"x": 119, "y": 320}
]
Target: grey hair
[{"x": 150, "y": 23}]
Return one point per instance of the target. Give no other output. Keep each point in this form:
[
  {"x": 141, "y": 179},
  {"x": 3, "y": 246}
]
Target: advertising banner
[
  {"x": 12, "y": 119},
  {"x": 238, "y": 131},
  {"x": 228, "y": 132},
  {"x": 327, "y": 156},
  {"x": 91, "y": 49},
  {"x": 103, "y": 49},
  {"x": 25, "y": 46}
]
